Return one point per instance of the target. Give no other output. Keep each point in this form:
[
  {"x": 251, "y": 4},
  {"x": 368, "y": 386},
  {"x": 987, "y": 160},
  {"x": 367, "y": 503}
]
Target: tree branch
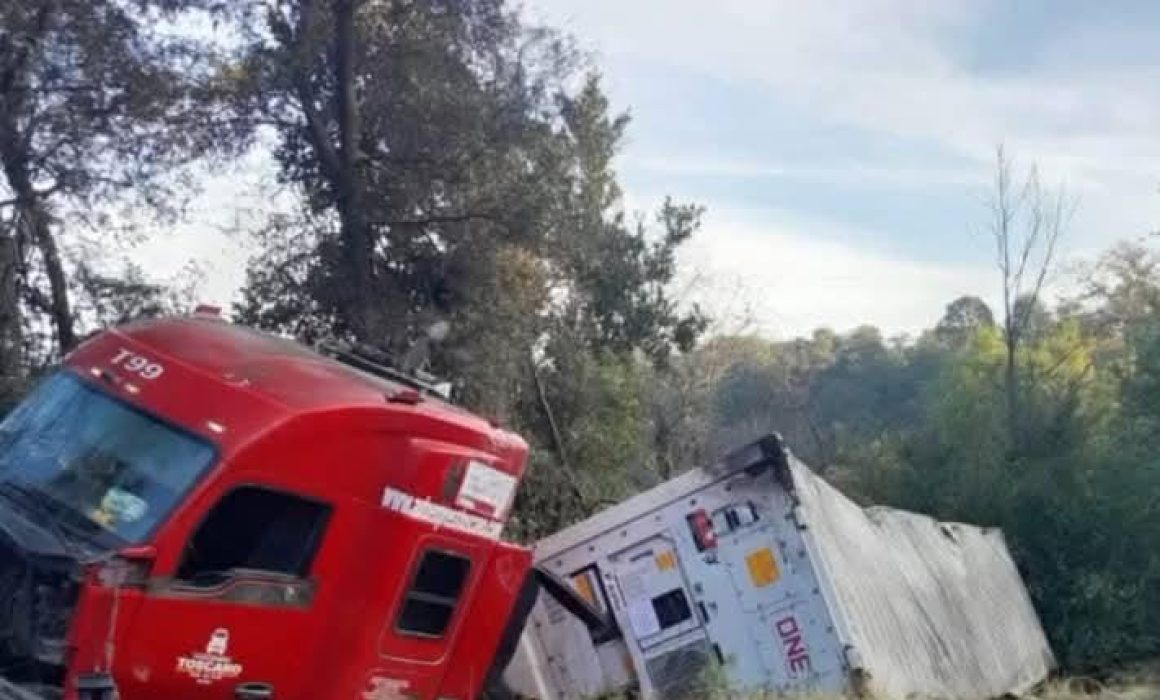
[
  {"x": 315, "y": 125},
  {"x": 440, "y": 219},
  {"x": 346, "y": 100},
  {"x": 8, "y": 79},
  {"x": 554, "y": 431}
]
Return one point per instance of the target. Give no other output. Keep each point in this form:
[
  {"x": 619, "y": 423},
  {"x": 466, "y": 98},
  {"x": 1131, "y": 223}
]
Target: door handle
[{"x": 254, "y": 691}]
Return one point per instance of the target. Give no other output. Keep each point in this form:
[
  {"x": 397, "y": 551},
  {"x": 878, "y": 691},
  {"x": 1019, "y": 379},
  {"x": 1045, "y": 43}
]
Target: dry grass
[
  {"x": 1141, "y": 682},
  {"x": 1073, "y": 689},
  {"x": 1138, "y": 683},
  {"x": 1082, "y": 690}
]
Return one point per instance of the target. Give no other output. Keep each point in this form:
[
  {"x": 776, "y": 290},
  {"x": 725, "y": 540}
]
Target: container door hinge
[
  {"x": 852, "y": 657},
  {"x": 797, "y": 517}
]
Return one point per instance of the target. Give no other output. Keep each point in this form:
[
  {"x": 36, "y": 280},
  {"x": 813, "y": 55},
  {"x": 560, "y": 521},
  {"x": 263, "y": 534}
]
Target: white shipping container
[{"x": 759, "y": 565}]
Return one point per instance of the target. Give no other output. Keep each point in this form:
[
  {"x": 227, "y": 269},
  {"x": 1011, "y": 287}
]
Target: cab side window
[
  {"x": 256, "y": 529},
  {"x": 433, "y": 595}
]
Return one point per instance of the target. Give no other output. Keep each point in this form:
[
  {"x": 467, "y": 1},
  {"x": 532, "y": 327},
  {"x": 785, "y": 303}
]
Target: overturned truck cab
[
  {"x": 191, "y": 509},
  {"x": 756, "y": 573}
]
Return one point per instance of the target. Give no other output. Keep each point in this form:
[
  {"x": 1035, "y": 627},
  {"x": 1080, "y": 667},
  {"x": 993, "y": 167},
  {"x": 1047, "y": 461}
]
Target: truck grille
[{"x": 37, "y": 597}]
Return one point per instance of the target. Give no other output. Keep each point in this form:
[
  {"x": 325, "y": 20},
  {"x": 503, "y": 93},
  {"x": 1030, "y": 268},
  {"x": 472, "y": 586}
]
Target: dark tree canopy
[
  {"x": 96, "y": 103},
  {"x": 407, "y": 190},
  {"x": 963, "y": 318},
  {"x": 493, "y": 163},
  {"x": 450, "y": 172}
]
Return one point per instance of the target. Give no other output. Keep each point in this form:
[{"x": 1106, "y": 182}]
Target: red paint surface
[{"x": 294, "y": 421}]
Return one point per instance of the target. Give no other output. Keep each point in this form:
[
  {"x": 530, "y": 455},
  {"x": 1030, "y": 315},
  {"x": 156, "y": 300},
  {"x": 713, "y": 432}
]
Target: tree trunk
[
  {"x": 34, "y": 226},
  {"x": 33, "y": 222},
  {"x": 363, "y": 314},
  {"x": 36, "y": 219},
  {"x": 11, "y": 350},
  {"x": 356, "y": 233},
  {"x": 340, "y": 166},
  {"x": 1011, "y": 385},
  {"x": 556, "y": 435}
]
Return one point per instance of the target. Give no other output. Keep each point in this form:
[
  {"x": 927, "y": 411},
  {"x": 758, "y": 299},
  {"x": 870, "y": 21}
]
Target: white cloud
[
  {"x": 891, "y": 70},
  {"x": 783, "y": 276},
  {"x": 889, "y": 67},
  {"x": 846, "y": 173}
]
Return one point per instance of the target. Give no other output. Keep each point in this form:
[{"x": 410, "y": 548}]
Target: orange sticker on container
[
  {"x": 583, "y": 585},
  {"x": 762, "y": 567},
  {"x": 666, "y": 560}
]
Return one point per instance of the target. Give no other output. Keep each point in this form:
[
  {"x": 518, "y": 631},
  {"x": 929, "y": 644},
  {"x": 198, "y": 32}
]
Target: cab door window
[
  {"x": 430, "y": 602},
  {"x": 255, "y": 532}
]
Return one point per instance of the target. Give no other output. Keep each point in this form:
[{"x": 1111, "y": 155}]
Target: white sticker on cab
[{"x": 486, "y": 488}]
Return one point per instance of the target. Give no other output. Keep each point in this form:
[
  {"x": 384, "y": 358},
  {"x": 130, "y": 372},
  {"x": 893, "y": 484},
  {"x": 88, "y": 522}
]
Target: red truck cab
[{"x": 197, "y": 511}]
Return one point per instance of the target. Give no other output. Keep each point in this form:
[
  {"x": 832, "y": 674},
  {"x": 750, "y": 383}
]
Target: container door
[
  {"x": 774, "y": 584},
  {"x": 238, "y": 608},
  {"x": 668, "y": 638}
]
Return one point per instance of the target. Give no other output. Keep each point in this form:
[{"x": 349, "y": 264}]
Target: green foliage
[
  {"x": 963, "y": 318},
  {"x": 465, "y": 180},
  {"x": 101, "y": 105},
  {"x": 107, "y": 299},
  {"x": 603, "y": 456},
  {"x": 924, "y": 425}
]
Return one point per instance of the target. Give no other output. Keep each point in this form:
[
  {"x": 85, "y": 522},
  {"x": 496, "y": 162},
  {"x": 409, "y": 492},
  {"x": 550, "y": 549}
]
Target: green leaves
[
  {"x": 103, "y": 104},
  {"x": 448, "y": 171},
  {"x": 923, "y": 425}
]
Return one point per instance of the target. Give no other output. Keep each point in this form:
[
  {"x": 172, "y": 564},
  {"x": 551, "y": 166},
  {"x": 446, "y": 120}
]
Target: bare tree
[{"x": 1027, "y": 221}]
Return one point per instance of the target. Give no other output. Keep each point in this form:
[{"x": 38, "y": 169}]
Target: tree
[
  {"x": 409, "y": 128},
  {"x": 461, "y": 181},
  {"x": 108, "y": 299},
  {"x": 11, "y": 338},
  {"x": 95, "y": 102},
  {"x": 1026, "y": 224},
  {"x": 614, "y": 277},
  {"x": 608, "y": 306},
  {"x": 963, "y": 318},
  {"x": 1124, "y": 286}
]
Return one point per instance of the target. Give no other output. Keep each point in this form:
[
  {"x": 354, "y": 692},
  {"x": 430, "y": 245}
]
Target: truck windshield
[{"x": 97, "y": 459}]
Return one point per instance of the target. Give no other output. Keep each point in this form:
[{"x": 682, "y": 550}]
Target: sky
[{"x": 843, "y": 149}]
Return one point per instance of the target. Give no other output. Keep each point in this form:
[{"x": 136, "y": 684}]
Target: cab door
[
  {"x": 236, "y": 618},
  {"x": 428, "y": 616},
  {"x": 786, "y": 621}
]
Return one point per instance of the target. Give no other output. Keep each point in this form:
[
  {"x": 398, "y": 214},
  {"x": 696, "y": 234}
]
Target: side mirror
[{"x": 129, "y": 567}]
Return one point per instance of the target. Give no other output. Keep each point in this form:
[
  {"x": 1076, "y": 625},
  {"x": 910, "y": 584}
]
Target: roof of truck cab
[{"x": 278, "y": 369}]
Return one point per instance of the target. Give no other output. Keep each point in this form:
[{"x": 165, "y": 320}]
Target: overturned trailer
[{"x": 759, "y": 568}]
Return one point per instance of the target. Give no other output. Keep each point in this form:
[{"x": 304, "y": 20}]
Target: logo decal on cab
[{"x": 213, "y": 664}]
